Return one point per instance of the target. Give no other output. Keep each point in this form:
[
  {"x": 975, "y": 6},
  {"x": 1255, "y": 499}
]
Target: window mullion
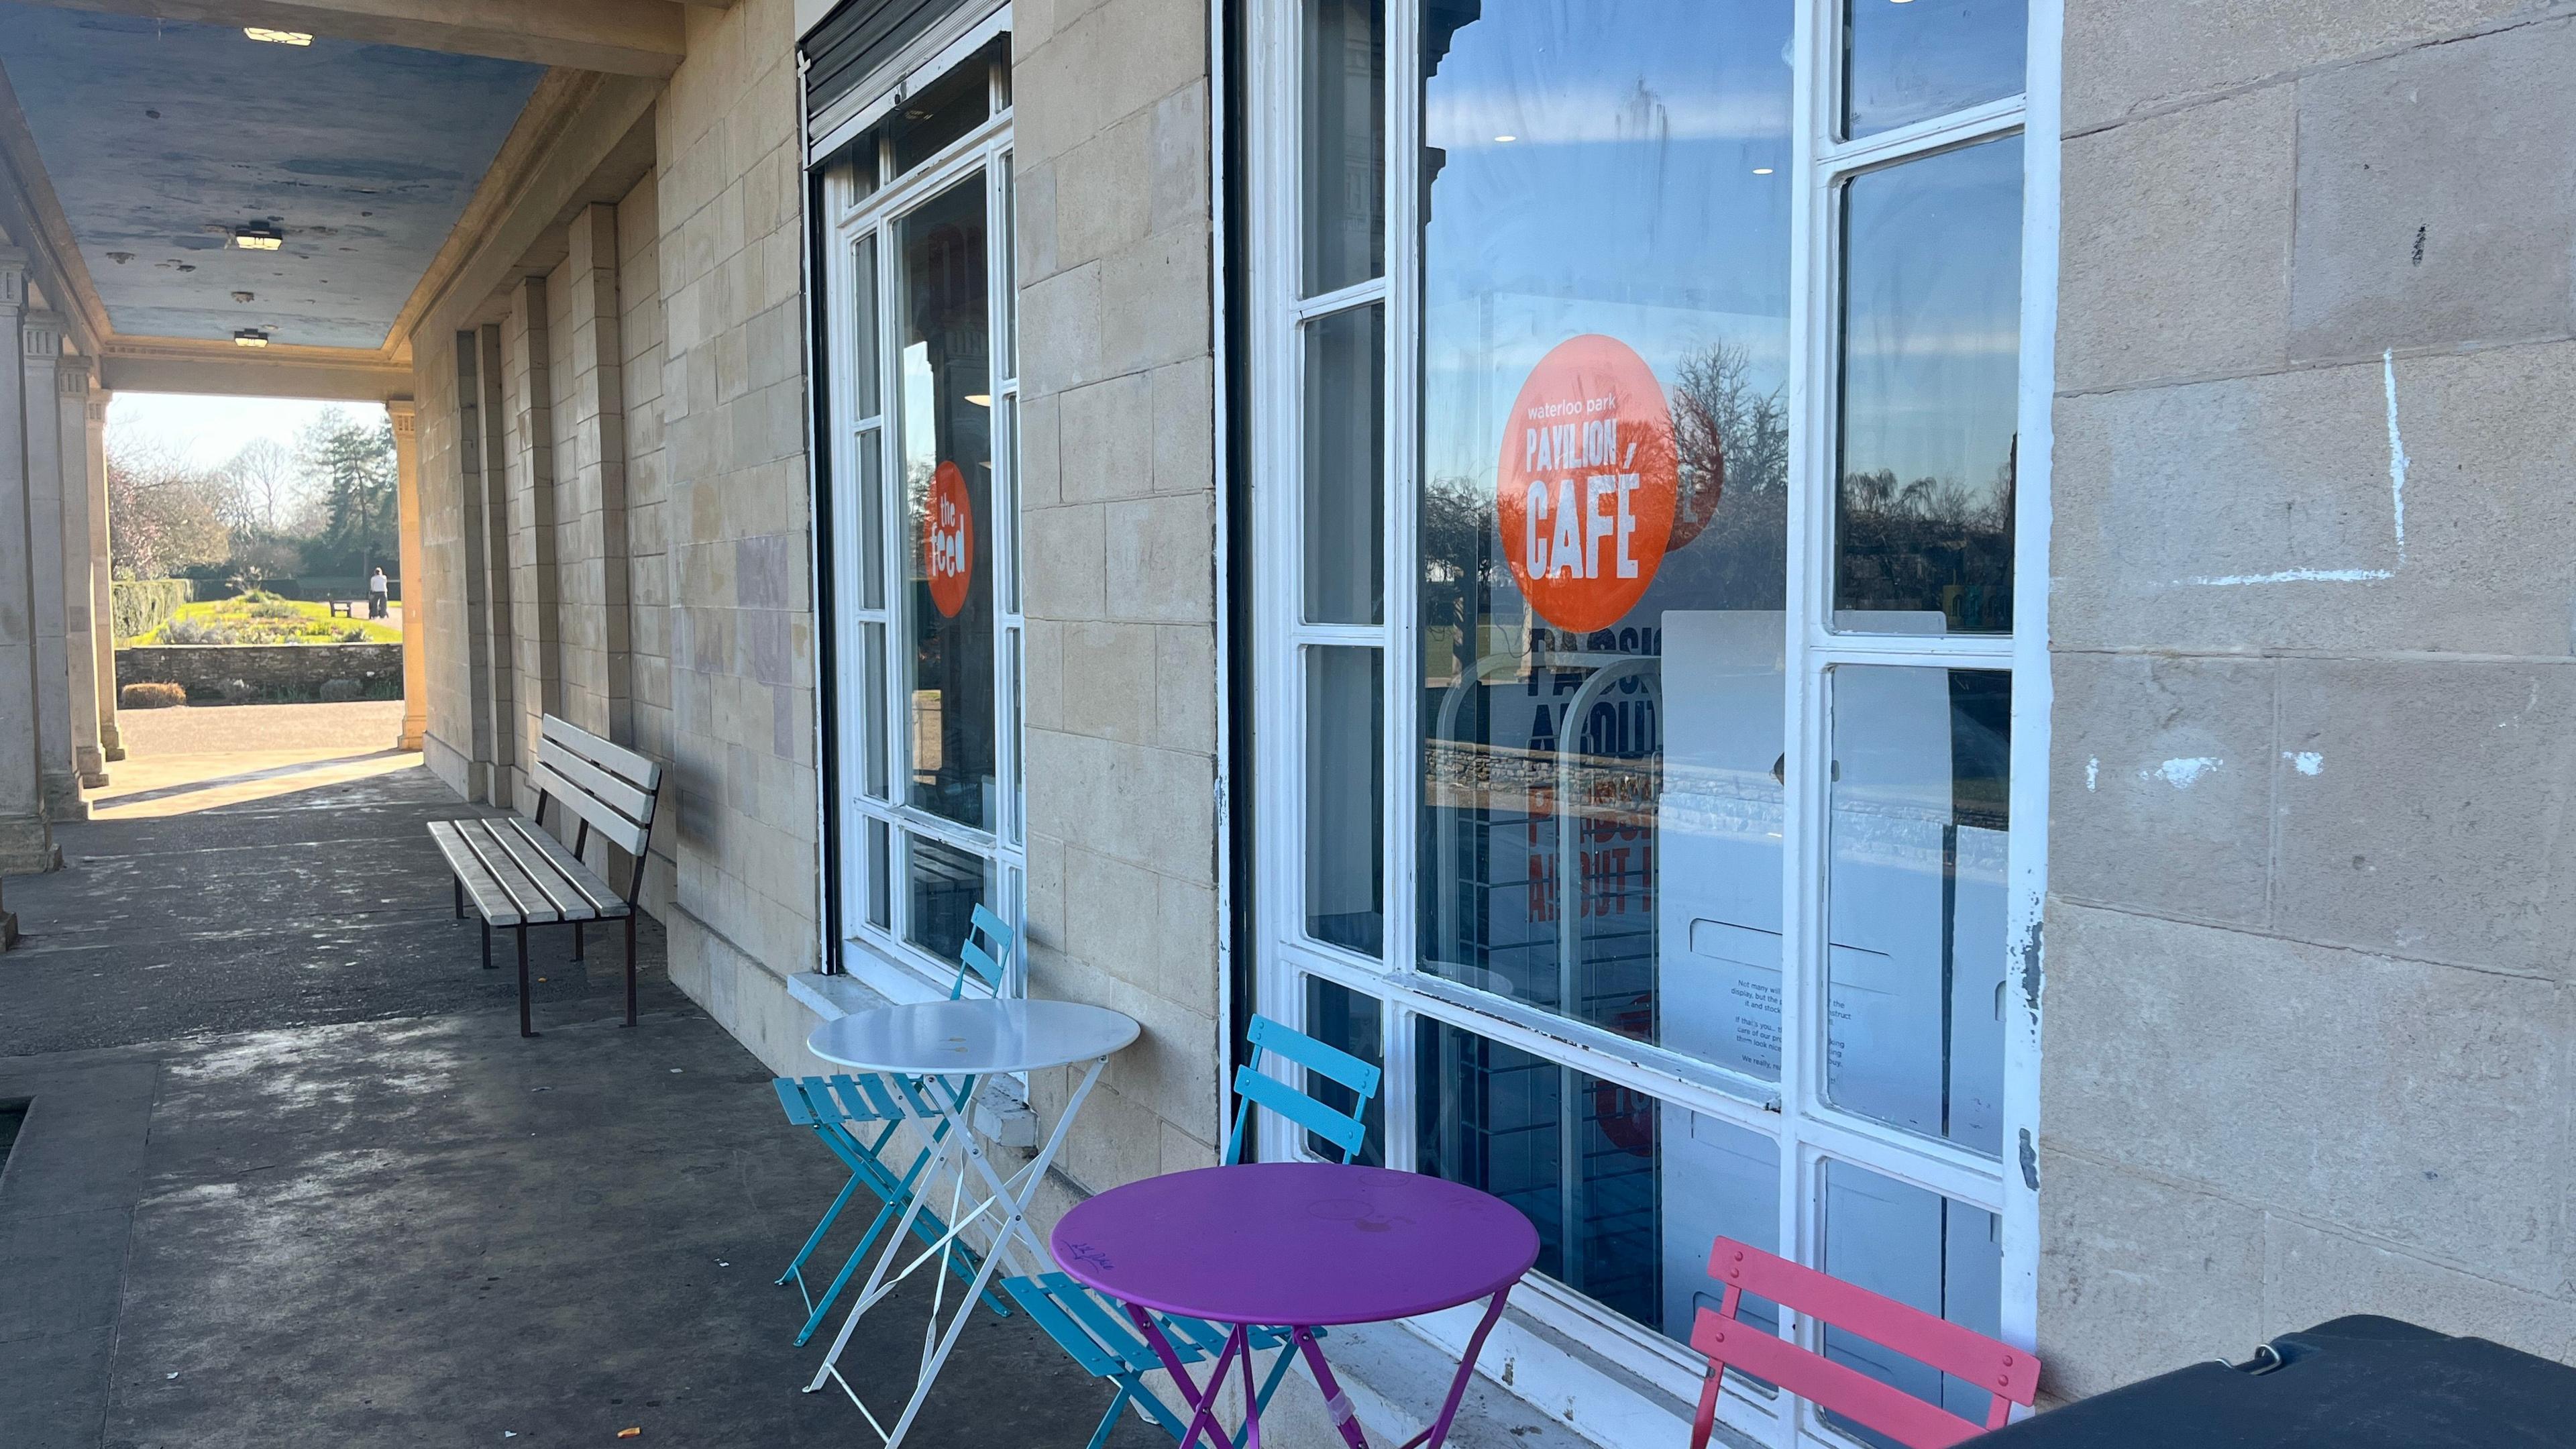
[{"x": 1815, "y": 32}]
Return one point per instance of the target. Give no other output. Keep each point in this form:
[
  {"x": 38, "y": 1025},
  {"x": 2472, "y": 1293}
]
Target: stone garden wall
[{"x": 270, "y": 671}]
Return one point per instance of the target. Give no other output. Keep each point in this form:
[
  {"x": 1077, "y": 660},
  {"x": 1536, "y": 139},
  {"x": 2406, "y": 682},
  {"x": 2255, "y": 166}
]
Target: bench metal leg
[
  {"x": 487, "y": 945},
  {"x": 576, "y": 940},
  {"x": 524, "y": 1028},
  {"x": 630, "y": 968},
  {"x": 459, "y": 884}
]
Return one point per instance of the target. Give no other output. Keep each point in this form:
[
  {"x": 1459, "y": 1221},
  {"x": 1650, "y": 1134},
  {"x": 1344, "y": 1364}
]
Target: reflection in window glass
[
  {"x": 1345, "y": 142},
  {"x": 872, "y": 727},
  {"x": 1603, "y": 520},
  {"x": 1346, "y": 467},
  {"x": 871, "y": 541},
  {"x": 880, "y": 874},
  {"x": 1345, "y": 792},
  {"x": 1921, "y": 1249},
  {"x": 946, "y": 414},
  {"x": 863, "y": 326},
  {"x": 1915, "y": 902},
  {"x": 1338, "y": 1016},
  {"x": 1008, "y": 304},
  {"x": 1627, "y": 1192},
  {"x": 947, "y": 884},
  {"x": 1930, "y": 393},
  {"x": 1911, "y": 60},
  {"x": 940, "y": 112}
]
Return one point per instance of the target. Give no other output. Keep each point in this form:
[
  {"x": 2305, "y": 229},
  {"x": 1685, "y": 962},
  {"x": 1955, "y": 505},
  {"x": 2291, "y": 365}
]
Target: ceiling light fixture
[
  {"x": 250, "y": 337},
  {"x": 277, "y": 37},
  {"x": 1507, "y": 139},
  {"x": 1761, "y": 170},
  {"x": 979, "y": 399},
  {"x": 258, "y": 237}
]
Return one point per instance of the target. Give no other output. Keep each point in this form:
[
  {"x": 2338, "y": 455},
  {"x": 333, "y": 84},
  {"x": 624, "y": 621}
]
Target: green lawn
[{"x": 262, "y": 618}]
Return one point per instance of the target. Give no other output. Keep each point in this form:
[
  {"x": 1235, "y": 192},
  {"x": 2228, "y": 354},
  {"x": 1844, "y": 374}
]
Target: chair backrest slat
[
  {"x": 2009, "y": 1374},
  {"x": 1315, "y": 1056},
  {"x": 1346, "y": 1133},
  {"x": 1751, "y": 1349},
  {"x": 1345, "y": 1130},
  {"x": 988, "y": 960}
]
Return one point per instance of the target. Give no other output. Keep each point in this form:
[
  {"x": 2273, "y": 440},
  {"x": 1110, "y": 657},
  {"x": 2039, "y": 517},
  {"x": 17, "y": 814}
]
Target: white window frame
[
  {"x": 883, "y": 957},
  {"x": 1794, "y": 1112}
]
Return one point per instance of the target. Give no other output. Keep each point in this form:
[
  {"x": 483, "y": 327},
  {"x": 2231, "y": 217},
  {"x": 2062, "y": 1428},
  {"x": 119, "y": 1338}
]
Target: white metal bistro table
[{"x": 954, "y": 1043}]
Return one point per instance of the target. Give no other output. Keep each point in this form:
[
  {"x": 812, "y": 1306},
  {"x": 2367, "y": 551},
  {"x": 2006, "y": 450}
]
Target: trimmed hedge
[{"x": 139, "y": 606}]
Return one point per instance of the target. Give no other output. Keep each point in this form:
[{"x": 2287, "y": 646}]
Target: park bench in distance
[{"x": 519, "y": 875}]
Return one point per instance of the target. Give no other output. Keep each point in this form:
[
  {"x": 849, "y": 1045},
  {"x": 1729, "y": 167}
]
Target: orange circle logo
[
  {"x": 1587, "y": 486},
  {"x": 948, "y": 539}
]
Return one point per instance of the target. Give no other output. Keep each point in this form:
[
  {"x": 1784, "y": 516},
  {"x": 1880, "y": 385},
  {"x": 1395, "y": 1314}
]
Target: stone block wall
[
  {"x": 2310, "y": 1001},
  {"x": 742, "y": 810},
  {"x": 1120, "y": 538}
]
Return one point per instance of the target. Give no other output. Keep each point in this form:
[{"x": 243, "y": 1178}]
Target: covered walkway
[{"x": 288, "y": 1177}]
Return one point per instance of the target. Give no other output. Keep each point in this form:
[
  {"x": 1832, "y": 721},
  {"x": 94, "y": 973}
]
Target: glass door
[{"x": 926, "y": 632}]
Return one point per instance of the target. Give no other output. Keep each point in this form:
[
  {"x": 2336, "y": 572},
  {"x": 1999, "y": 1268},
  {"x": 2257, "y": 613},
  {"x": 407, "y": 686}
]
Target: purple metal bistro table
[{"x": 1298, "y": 1245}]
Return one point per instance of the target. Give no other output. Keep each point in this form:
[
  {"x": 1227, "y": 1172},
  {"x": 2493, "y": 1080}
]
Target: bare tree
[
  {"x": 164, "y": 512},
  {"x": 266, "y": 473}
]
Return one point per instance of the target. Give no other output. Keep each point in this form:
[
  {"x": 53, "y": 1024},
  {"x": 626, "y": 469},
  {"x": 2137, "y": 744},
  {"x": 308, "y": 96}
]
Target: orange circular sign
[
  {"x": 948, "y": 539},
  {"x": 1587, "y": 486}
]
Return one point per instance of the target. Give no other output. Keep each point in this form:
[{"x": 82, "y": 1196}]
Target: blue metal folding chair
[
  {"x": 1097, "y": 1334},
  {"x": 856, "y": 1117}
]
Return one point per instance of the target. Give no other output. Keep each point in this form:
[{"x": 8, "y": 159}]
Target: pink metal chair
[{"x": 2011, "y": 1375}]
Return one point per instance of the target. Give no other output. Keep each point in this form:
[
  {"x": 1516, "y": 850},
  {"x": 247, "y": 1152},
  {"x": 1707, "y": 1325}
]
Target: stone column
[
  {"x": 79, "y": 624},
  {"x": 42, "y": 334},
  {"x": 26, "y": 840},
  {"x": 111, "y": 744},
  {"x": 415, "y": 606}
]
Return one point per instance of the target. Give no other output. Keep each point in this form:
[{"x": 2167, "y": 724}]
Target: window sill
[{"x": 999, "y": 1114}]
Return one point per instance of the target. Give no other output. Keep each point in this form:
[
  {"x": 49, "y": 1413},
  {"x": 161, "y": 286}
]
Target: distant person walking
[{"x": 376, "y": 591}]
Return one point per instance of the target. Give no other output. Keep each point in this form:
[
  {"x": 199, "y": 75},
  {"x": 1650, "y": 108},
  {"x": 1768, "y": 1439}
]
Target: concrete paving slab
[{"x": 290, "y": 1177}]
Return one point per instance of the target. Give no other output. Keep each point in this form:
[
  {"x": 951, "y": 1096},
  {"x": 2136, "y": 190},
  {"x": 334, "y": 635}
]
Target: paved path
[{"x": 288, "y": 1176}]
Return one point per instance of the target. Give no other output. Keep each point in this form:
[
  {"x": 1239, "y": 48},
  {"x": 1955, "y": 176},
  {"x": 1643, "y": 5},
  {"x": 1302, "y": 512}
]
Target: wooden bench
[
  {"x": 341, "y": 608},
  {"x": 519, "y": 875}
]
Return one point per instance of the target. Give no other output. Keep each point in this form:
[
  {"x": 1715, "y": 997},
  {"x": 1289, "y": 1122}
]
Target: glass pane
[
  {"x": 872, "y": 649},
  {"x": 1627, "y": 1192},
  {"x": 946, "y": 885},
  {"x": 1345, "y": 160},
  {"x": 1019, "y": 752},
  {"x": 1345, "y": 792},
  {"x": 1604, "y": 513},
  {"x": 1338, "y": 1016},
  {"x": 880, "y": 875},
  {"x": 1009, "y": 302},
  {"x": 871, "y": 540},
  {"x": 940, "y": 112},
  {"x": 1922, "y": 1249},
  {"x": 945, "y": 384},
  {"x": 1911, "y": 60},
  {"x": 1346, "y": 467},
  {"x": 1010, "y": 470},
  {"x": 861, "y": 160},
  {"x": 1931, "y": 393},
  {"x": 1915, "y": 904},
  {"x": 863, "y": 330}
]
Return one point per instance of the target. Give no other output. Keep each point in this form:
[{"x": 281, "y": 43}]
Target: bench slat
[
  {"x": 579, "y": 880},
  {"x": 625, "y": 834},
  {"x": 512, "y": 898},
  {"x": 618, "y": 760},
  {"x": 490, "y": 900},
  {"x": 636, "y": 805},
  {"x": 561, "y": 903}
]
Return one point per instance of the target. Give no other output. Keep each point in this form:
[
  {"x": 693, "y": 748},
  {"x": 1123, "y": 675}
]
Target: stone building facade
[{"x": 2215, "y": 540}]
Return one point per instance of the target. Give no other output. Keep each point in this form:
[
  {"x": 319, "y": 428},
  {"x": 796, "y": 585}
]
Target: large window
[
  {"x": 924, "y": 527},
  {"x": 1650, "y": 726}
]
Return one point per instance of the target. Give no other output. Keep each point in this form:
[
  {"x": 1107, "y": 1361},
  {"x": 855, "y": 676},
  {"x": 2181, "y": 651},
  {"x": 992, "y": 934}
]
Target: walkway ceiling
[
  {"x": 149, "y": 135},
  {"x": 162, "y": 139}
]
